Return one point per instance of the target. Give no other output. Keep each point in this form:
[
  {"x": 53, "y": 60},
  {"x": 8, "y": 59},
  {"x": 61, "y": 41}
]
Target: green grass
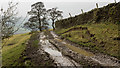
[
  {"x": 102, "y": 33},
  {"x": 11, "y": 53}
]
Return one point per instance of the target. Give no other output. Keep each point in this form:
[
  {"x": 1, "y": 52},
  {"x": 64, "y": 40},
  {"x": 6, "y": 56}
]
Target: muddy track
[
  {"x": 35, "y": 55},
  {"x": 56, "y": 55},
  {"x": 95, "y": 59}
]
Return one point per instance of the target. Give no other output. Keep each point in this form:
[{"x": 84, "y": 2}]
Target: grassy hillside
[
  {"x": 97, "y": 29},
  {"x": 106, "y": 14},
  {"x": 13, "y": 49},
  {"x": 101, "y": 37}
]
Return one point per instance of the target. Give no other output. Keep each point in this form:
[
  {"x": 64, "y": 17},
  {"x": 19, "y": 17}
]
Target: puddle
[{"x": 54, "y": 53}]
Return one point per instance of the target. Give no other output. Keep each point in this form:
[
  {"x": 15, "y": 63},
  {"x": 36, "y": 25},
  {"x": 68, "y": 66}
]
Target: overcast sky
[{"x": 67, "y": 6}]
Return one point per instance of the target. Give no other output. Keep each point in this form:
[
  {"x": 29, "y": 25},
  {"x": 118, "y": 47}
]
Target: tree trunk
[
  {"x": 40, "y": 29},
  {"x": 53, "y": 25}
]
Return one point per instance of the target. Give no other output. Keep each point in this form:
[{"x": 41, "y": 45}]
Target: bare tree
[
  {"x": 37, "y": 16},
  {"x": 8, "y": 20},
  {"x": 54, "y": 14}
]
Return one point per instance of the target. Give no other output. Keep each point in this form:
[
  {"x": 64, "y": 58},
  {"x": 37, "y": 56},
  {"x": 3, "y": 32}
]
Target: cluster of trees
[{"x": 39, "y": 17}]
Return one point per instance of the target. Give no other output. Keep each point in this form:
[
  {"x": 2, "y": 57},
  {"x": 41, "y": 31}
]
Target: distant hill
[
  {"x": 106, "y": 14},
  {"x": 22, "y": 31}
]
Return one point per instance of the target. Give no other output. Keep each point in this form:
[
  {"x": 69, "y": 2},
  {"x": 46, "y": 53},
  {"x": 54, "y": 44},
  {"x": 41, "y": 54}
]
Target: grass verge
[{"x": 13, "y": 49}]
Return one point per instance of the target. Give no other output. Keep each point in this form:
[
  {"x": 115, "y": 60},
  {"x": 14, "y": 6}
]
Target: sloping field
[{"x": 101, "y": 37}]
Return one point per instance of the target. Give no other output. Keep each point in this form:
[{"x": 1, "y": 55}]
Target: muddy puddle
[{"x": 54, "y": 53}]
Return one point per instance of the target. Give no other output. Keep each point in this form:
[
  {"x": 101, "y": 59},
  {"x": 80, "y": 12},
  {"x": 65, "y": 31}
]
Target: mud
[
  {"x": 56, "y": 55},
  {"x": 98, "y": 58}
]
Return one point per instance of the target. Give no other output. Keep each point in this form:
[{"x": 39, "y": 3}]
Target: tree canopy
[
  {"x": 54, "y": 15},
  {"x": 38, "y": 17}
]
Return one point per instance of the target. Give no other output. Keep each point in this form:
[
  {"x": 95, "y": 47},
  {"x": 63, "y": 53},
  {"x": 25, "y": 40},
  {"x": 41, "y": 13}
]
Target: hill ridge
[{"x": 105, "y": 14}]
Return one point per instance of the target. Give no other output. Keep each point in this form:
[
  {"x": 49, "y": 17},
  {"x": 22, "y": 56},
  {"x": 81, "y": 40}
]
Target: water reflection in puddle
[{"x": 54, "y": 53}]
